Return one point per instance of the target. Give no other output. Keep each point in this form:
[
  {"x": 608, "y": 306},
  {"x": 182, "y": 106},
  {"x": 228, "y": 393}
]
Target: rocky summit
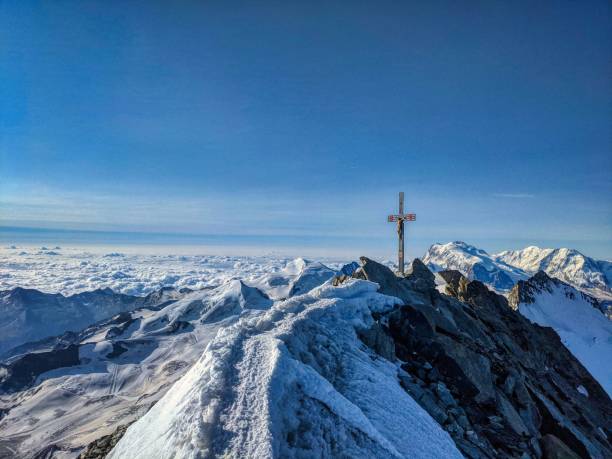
[{"x": 499, "y": 384}]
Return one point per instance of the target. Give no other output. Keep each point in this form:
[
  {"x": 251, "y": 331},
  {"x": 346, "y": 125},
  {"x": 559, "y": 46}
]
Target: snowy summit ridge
[{"x": 277, "y": 384}]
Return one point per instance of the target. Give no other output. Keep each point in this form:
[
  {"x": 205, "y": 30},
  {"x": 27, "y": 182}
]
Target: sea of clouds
[{"x": 55, "y": 269}]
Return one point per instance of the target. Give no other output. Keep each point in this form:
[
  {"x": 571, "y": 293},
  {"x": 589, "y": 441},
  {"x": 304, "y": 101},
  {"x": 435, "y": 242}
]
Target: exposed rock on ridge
[
  {"x": 500, "y": 385},
  {"x": 524, "y": 291}
]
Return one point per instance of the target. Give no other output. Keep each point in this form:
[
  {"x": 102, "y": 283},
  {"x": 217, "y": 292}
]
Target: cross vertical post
[
  {"x": 400, "y": 219},
  {"x": 400, "y": 233}
]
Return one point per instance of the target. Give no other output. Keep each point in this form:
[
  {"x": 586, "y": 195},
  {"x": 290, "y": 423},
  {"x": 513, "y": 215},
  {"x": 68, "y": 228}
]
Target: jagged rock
[
  {"x": 388, "y": 281},
  {"x": 22, "y": 371},
  {"x": 455, "y": 281},
  {"x": 510, "y": 415},
  {"x": 523, "y": 291},
  {"x": 428, "y": 402},
  {"x": 556, "y": 449},
  {"x": 444, "y": 395},
  {"x": 337, "y": 280},
  {"x": 411, "y": 386},
  {"x": 513, "y": 380},
  {"x": 420, "y": 277},
  {"x": 378, "y": 338},
  {"x": 99, "y": 448}
]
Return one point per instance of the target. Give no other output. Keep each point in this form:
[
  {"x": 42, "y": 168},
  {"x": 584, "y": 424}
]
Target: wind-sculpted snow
[{"x": 292, "y": 381}]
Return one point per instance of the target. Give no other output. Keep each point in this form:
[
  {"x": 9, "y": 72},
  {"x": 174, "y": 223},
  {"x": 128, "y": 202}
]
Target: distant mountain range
[{"x": 503, "y": 270}]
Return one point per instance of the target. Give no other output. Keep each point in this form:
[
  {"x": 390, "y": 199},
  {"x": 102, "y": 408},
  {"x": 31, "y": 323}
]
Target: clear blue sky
[{"x": 304, "y": 119}]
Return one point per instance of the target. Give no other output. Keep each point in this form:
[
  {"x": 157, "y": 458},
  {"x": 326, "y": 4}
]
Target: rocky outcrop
[
  {"x": 99, "y": 448},
  {"x": 24, "y": 370},
  {"x": 500, "y": 385}
]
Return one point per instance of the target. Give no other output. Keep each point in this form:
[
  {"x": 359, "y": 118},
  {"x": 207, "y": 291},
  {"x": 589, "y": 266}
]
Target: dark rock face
[
  {"x": 556, "y": 449},
  {"x": 500, "y": 385},
  {"x": 23, "y": 371},
  {"x": 102, "y": 446},
  {"x": 378, "y": 338},
  {"x": 390, "y": 284}
]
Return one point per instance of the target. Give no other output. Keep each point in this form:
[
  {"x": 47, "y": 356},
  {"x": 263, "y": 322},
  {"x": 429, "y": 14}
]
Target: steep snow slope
[
  {"x": 474, "y": 263},
  {"x": 293, "y": 381},
  {"x": 583, "y": 328}
]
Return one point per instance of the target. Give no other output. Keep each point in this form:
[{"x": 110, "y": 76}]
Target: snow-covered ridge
[
  {"x": 281, "y": 382},
  {"x": 112, "y": 372},
  {"x": 235, "y": 373}
]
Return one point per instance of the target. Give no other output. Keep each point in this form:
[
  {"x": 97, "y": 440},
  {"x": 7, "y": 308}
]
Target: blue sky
[{"x": 302, "y": 120}]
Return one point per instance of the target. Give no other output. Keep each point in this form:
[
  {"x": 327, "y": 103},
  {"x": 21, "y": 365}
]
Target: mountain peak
[{"x": 502, "y": 270}]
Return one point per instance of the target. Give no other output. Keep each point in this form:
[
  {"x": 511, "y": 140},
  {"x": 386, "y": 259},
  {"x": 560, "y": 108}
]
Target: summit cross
[{"x": 400, "y": 218}]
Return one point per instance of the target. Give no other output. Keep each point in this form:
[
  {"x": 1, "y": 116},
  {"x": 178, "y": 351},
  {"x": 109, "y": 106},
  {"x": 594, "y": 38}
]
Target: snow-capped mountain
[
  {"x": 502, "y": 270},
  {"x": 576, "y": 318},
  {"x": 474, "y": 263},
  {"x": 568, "y": 265}
]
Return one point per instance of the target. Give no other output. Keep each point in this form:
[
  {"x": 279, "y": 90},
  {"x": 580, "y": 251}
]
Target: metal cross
[{"x": 400, "y": 219}]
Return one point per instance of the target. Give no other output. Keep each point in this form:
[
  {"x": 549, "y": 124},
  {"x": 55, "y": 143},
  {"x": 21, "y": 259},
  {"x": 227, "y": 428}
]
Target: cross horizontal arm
[{"x": 403, "y": 217}]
